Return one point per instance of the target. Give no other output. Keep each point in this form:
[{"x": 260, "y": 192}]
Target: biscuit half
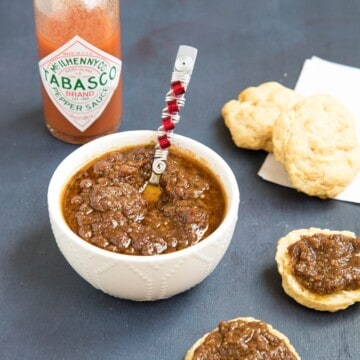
[
  {"x": 292, "y": 287},
  {"x": 191, "y": 352}
]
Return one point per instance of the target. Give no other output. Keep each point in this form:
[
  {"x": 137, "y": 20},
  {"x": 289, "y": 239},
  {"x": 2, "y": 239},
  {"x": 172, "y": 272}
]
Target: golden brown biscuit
[
  {"x": 316, "y": 142},
  {"x": 319, "y": 295},
  {"x": 250, "y": 119},
  {"x": 280, "y": 344}
]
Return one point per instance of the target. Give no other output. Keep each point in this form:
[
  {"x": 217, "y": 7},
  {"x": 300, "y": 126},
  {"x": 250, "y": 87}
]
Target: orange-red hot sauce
[{"x": 79, "y": 102}]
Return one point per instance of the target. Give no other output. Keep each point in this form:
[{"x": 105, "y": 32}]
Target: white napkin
[{"x": 323, "y": 77}]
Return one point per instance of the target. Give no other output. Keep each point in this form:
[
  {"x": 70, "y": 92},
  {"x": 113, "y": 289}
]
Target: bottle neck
[{"x": 94, "y": 20}]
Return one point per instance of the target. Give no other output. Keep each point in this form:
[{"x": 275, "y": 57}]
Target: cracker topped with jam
[{"x": 320, "y": 268}]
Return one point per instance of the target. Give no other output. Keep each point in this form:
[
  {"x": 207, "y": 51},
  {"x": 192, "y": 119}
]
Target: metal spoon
[{"x": 175, "y": 100}]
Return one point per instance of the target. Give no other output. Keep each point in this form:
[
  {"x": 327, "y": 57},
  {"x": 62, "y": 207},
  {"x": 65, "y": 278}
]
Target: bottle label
[{"x": 80, "y": 80}]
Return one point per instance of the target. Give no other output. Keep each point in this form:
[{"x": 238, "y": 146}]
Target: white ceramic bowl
[{"x": 141, "y": 277}]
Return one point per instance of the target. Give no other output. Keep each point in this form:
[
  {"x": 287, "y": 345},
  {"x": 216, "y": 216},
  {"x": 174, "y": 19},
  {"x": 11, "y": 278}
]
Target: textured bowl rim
[{"x": 55, "y": 192}]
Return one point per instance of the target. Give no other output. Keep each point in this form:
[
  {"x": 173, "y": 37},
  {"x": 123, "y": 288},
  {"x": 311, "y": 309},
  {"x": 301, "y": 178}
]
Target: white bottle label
[{"x": 80, "y": 79}]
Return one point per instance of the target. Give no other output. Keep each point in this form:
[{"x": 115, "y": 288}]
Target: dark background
[{"x": 46, "y": 310}]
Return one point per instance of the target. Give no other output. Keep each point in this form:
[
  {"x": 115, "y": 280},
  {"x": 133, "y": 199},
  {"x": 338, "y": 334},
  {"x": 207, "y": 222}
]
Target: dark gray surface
[{"x": 46, "y": 310}]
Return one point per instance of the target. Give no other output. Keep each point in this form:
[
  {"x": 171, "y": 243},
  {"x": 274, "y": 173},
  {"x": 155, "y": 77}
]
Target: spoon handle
[{"x": 175, "y": 100}]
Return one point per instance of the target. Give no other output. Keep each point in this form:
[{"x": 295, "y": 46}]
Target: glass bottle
[{"x": 79, "y": 46}]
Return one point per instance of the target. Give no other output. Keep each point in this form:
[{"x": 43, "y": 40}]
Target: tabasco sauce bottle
[{"x": 80, "y": 67}]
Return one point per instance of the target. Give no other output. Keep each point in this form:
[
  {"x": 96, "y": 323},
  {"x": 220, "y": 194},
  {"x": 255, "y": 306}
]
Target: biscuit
[
  {"x": 250, "y": 119},
  {"x": 292, "y": 354},
  {"x": 316, "y": 142},
  {"x": 323, "y": 302}
]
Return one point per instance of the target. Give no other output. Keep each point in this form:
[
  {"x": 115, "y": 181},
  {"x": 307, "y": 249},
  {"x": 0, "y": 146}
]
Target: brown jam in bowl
[
  {"x": 103, "y": 204},
  {"x": 326, "y": 264}
]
